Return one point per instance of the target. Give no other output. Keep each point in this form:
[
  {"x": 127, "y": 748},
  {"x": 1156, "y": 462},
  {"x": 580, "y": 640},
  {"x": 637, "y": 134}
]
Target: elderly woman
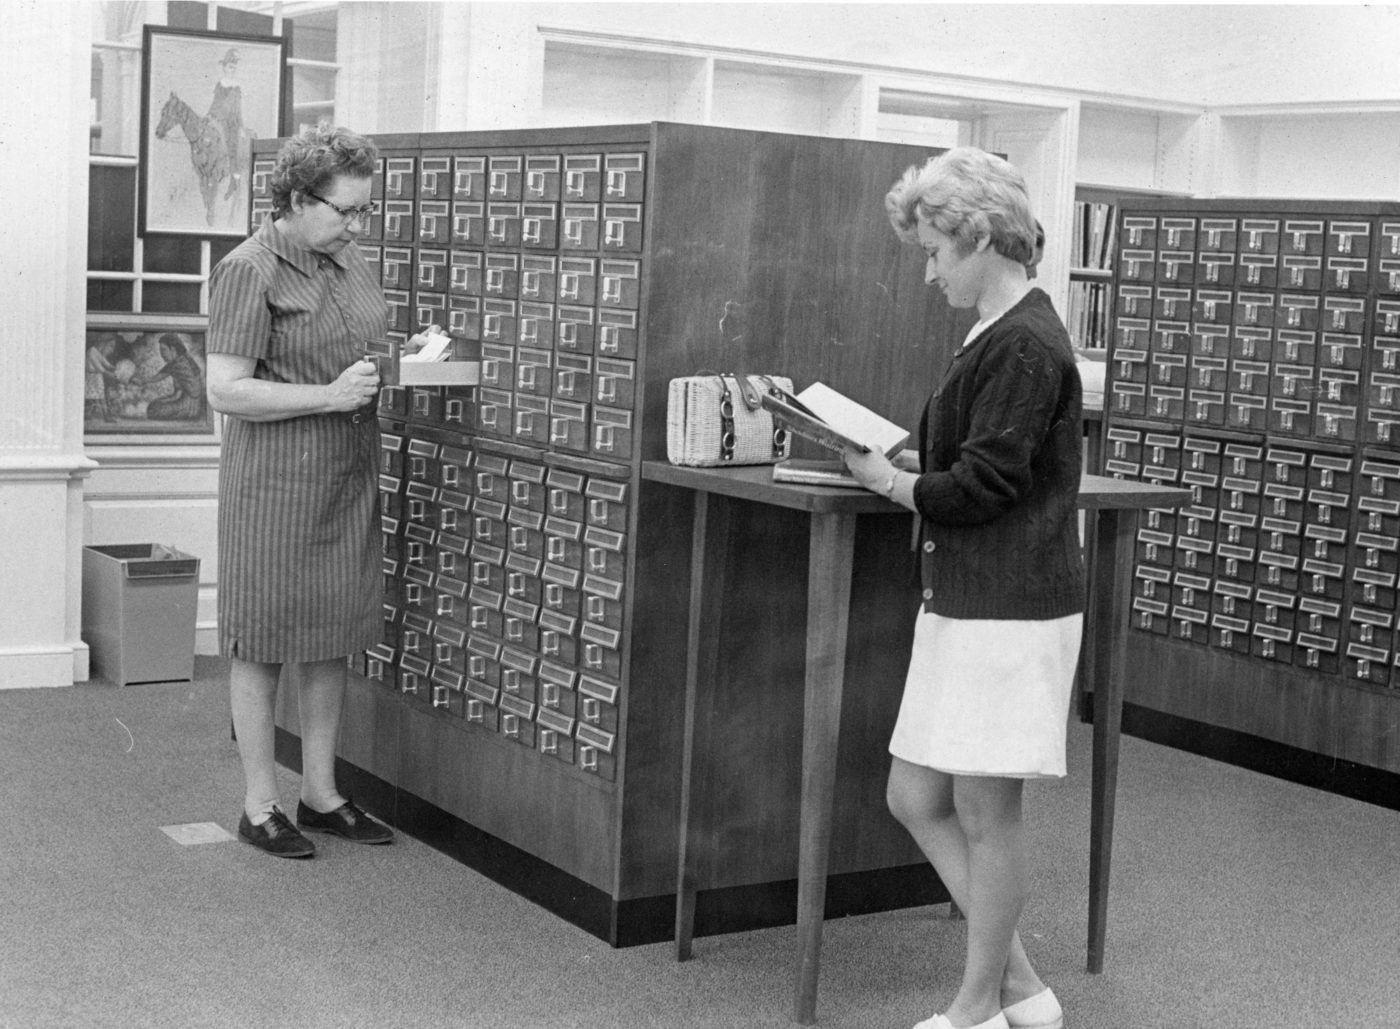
[
  {"x": 994, "y": 482},
  {"x": 299, "y": 555}
]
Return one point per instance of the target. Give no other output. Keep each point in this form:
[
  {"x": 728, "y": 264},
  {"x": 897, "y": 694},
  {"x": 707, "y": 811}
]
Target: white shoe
[
  {"x": 1041, "y": 1011},
  {"x": 997, "y": 1021}
]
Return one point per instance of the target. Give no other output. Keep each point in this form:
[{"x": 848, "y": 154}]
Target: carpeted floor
[{"x": 1238, "y": 902}]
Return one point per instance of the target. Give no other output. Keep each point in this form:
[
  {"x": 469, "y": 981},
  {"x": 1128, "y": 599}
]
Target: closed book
[{"x": 810, "y": 472}]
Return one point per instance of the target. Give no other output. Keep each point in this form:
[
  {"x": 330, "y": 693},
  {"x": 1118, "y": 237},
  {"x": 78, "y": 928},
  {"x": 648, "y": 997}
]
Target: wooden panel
[
  {"x": 507, "y": 789},
  {"x": 752, "y": 774},
  {"x": 1264, "y": 698},
  {"x": 784, "y": 238},
  {"x": 791, "y": 233}
]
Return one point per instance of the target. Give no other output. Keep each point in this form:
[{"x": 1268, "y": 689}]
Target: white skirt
[{"x": 988, "y": 697}]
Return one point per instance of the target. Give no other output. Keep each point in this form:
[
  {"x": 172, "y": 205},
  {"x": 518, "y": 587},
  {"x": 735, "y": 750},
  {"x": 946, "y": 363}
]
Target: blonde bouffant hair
[{"x": 966, "y": 194}]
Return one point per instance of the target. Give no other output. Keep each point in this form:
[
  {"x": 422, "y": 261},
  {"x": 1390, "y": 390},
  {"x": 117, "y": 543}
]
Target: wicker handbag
[{"x": 715, "y": 419}]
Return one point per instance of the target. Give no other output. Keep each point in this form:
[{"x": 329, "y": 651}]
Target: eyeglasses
[{"x": 348, "y": 213}]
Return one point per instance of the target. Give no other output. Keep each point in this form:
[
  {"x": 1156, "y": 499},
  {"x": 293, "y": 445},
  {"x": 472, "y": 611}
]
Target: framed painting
[
  {"x": 204, "y": 97},
  {"x": 144, "y": 380}
]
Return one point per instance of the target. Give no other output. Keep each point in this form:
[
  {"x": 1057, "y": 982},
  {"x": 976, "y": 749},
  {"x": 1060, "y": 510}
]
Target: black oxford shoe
[
  {"x": 276, "y": 836},
  {"x": 347, "y": 821}
]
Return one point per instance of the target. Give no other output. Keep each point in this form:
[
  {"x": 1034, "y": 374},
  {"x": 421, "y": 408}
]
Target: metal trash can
[{"x": 139, "y": 605}]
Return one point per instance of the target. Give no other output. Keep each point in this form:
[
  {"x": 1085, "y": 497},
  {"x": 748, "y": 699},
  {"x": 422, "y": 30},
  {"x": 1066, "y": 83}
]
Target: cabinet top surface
[
  {"x": 755, "y": 482},
  {"x": 1130, "y": 205}
]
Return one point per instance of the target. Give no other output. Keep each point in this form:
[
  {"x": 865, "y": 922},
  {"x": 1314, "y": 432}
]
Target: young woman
[{"x": 995, "y": 481}]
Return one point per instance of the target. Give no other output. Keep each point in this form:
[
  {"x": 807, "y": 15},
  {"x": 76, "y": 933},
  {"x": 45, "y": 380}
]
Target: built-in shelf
[{"x": 1104, "y": 192}]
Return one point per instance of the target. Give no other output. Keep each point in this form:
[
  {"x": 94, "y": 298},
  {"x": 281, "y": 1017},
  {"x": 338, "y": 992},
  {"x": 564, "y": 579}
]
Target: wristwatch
[{"x": 889, "y": 485}]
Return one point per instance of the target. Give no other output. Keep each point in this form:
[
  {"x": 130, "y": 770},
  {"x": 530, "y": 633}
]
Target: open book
[{"x": 822, "y": 415}]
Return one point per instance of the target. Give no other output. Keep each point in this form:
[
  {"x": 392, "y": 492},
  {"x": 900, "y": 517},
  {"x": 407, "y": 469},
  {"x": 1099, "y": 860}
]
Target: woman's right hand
[{"x": 355, "y": 387}]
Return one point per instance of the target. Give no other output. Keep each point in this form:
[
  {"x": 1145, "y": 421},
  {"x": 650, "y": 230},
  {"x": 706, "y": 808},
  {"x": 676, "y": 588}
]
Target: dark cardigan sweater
[{"x": 1000, "y": 445}]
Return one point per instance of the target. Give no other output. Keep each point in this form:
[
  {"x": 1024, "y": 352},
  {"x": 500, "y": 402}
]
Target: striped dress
[{"x": 299, "y": 553}]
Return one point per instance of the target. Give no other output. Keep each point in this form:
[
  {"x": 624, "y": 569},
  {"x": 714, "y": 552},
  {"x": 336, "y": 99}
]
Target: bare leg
[
  {"x": 320, "y": 701},
  {"x": 924, "y": 801},
  {"x": 989, "y": 810},
  {"x": 252, "y": 699}
]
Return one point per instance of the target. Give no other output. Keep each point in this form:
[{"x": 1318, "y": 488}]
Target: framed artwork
[
  {"x": 144, "y": 379},
  {"x": 204, "y": 97}
]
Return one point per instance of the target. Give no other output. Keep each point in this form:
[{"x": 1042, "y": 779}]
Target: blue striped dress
[{"x": 299, "y": 551}]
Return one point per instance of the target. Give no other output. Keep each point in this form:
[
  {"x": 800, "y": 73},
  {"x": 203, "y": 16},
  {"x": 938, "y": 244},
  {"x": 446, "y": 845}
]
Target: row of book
[
  {"x": 1095, "y": 232},
  {"x": 1087, "y": 314}
]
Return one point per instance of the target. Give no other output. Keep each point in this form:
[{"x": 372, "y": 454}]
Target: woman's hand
[
  {"x": 355, "y": 387},
  {"x": 419, "y": 340},
  {"x": 872, "y": 469}
]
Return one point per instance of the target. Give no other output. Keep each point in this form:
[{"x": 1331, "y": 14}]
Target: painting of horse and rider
[{"x": 205, "y": 97}]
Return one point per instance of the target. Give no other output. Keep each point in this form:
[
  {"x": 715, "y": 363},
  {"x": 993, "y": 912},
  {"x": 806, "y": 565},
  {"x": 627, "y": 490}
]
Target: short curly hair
[
  {"x": 966, "y": 194},
  {"x": 313, "y": 157}
]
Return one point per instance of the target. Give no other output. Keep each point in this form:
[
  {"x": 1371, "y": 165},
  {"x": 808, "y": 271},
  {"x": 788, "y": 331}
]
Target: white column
[{"x": 43, "y": 257}]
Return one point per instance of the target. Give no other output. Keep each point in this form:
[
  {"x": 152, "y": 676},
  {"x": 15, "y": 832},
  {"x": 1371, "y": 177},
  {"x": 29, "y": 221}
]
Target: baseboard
[{"x": 620, "y": 923}]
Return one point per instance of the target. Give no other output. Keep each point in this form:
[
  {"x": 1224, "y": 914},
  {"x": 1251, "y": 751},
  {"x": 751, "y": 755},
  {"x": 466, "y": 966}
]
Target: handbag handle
[
  {"x": 731, "y": 334},
  {"x": 726, "y": 411},
  {"x": 743, "y": 383}
]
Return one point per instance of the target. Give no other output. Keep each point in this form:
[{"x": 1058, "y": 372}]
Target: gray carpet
[{"x": 1237, "y": 901}]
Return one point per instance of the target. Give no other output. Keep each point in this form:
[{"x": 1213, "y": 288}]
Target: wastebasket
[{"x": 139, "y": 602}]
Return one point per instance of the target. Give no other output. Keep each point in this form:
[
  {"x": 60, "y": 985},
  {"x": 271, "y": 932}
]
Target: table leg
[
  {"x": 709, "y": 546},
  {"x": 832, "y": 544},
  {"x": 1112, "y": 588}
]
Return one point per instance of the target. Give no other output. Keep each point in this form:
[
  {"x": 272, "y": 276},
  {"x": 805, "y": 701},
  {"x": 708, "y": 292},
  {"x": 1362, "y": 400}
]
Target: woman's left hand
[{"x": 872, "y": 469}]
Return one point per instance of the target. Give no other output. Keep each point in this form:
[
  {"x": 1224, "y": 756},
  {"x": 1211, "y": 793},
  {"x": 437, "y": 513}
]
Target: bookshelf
[{"x": 1091, "y": 272}]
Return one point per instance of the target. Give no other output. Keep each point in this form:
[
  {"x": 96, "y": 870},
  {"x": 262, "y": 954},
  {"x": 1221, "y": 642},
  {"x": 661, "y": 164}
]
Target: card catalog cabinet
[
  {"x": 529, "y": 684},
  {"x": 1255, "y": 359}
]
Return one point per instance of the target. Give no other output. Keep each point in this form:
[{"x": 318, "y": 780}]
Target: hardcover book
[
  {"x": 818, "y": 472},
  {"x": 822, "y": 415}
]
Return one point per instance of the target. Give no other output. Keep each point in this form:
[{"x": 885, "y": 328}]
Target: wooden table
[{"x": 831, "y": 544}]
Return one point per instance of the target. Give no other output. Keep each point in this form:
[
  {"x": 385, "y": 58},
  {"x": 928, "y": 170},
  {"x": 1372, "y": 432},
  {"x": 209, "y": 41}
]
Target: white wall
[
  {"x": 1184, "y": 53},
  {"x": 1342, "y": 156}
]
